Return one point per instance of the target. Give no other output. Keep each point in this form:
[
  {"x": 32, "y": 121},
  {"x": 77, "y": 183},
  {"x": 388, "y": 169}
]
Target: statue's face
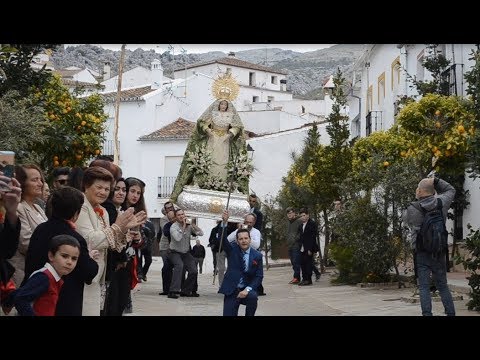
[{"x": 223, "y": 106}]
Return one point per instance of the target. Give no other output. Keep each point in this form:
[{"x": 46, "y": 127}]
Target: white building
[
  {"x": 41, "y": 60},
  {"x": 258, "y": 83},
  {"x": 79, "y": 75},
  {"x": 380, "y": 77},
  {"x": 138, "y": 76}
]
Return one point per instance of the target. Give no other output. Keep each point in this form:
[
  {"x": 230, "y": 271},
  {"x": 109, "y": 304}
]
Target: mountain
[{"x": 306, "y": 71}]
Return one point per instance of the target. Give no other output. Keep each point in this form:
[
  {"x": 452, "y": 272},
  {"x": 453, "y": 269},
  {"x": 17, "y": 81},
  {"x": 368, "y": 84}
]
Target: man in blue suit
[{"x": 244, "y": 274}]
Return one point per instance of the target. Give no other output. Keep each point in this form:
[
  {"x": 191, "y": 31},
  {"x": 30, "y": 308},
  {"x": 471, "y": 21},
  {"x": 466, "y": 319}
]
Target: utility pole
[{"x": 117, "y": 107}]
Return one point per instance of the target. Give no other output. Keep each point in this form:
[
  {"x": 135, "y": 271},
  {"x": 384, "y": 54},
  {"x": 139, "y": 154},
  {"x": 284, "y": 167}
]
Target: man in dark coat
[
  {"x": 244, "y": 274},
  {"x": 255, "y": 209},
  {"x": 308, "y": 242}
]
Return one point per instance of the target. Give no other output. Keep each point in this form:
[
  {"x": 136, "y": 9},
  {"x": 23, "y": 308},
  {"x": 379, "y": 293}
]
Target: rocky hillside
[{"x": 307, "y": 71}]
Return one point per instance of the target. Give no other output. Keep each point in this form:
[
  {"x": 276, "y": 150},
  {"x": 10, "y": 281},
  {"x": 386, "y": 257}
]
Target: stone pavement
[{"x": 320, "y": 299}]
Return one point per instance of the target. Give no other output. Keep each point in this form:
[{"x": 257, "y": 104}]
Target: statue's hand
[{"x": 229, "y": 137}]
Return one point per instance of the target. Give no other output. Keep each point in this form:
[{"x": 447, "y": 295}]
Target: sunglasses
[
  {"x": 62, "y": 181},
  {"x": 132, "y": 179}
]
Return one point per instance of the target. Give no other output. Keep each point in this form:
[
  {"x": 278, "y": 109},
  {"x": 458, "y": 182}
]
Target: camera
[
  {"x": 7, "y": 167},
  {"x": 245, "y": 227}
]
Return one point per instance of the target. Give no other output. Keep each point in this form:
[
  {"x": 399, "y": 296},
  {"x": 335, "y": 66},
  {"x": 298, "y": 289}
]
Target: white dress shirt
[{"x": 255, "y": 235}]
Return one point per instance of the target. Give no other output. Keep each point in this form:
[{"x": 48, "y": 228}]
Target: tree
[
  {"x": 22, "y": 125},
  {"x": 15, "y": 61},
  {"x": 295, "y": 191},
  {"x": 471, "y": 262},
  {"x": 76, "y": 126},
  {"x": 315, "y": 178},
  {"x": 472, "y": 78},
  {"x": 332, "y": 163},
  {"x": 384, "y": 175},
  {"x": 436, "y": 63}
]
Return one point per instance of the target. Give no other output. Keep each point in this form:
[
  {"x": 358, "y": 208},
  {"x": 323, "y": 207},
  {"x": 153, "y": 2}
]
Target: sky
[{"x": 204, "y": 48}]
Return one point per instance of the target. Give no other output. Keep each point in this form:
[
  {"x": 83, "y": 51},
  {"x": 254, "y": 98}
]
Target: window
[
  {"x": 274, "y": 79},
  {"x": 251, "y": 79},
  {"x": 229, "y": 70},
  {"x": 381, "y": 89},
  {"x": 369, "y": 98},
  {"x": 396, "y": 68},
  {"x": 270, "y": 98},
  {"x": 255, "y": 99},
  {"x": 420, "y": 67}
]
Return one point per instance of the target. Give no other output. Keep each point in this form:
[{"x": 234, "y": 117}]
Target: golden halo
[{"x": 225, "y": 87}]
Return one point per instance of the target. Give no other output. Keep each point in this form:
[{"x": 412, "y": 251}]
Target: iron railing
[
  {"x": 449, "y": 76},
  {"x": 374, "y": 122},
  {"x": 165, "y": 186},
  {"x": 108, "y": 146}
]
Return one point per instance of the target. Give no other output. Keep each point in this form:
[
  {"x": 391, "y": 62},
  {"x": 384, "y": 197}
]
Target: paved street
[{"x": 321, "y": 299}]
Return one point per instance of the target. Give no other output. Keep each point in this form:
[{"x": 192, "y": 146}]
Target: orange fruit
[
  {"x": 386, "y": 163},
  {"x": 437, "y": 113},
  {"x": 461, "y": 129}
]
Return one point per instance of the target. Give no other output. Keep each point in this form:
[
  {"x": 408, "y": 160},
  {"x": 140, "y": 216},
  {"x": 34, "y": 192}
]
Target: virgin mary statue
[{"x": 216, "y": 154}]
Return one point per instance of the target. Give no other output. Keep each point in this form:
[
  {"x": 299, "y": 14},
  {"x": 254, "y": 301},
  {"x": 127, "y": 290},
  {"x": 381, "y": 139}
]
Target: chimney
[
  {"x": 231, "y": 55},
  {"x": 157, "y": 74},
  {"x": 106, "y": 71},
  {"x": 283, "y": 85}
]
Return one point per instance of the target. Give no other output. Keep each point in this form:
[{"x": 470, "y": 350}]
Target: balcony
[
  {"x": 449, "y": 77},
  {"x": 374, "y": 122},
  {"x": 108, "y": 146},
  {"x": 165, "y": 186}
]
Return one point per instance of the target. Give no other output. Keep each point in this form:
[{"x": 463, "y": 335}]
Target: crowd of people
[
  {"x": 79, "y": 246},
  {"x": 101, "y": 221}
]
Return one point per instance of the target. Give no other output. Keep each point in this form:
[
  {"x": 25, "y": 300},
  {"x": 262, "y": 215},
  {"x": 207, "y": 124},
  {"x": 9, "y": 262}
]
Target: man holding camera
[{"x": 181, "y": 232}]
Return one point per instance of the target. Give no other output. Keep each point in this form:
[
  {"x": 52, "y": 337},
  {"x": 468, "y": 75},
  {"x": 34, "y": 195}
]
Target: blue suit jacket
[{"x": 252, "y": 277}]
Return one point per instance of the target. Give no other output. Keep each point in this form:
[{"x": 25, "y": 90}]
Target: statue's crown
[{"x": 225, "y": 87}]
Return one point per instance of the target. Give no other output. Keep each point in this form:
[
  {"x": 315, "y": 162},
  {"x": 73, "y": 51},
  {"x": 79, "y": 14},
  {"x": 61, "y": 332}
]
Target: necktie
[{"x": 245, "y": 263}]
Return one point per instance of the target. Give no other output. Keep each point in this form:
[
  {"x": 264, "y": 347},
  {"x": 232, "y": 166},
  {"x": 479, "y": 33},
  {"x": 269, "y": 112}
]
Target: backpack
[{"x": 433, "y": 235}]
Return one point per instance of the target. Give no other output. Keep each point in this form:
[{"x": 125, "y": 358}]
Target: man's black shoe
[
  {"x": 163, "y": 293},
  {"x": 262, "y": 294},
  {"x": 193, "y": 294},
  {"x": 172, "y": 295},
  {"x": 304, "y": 283}
]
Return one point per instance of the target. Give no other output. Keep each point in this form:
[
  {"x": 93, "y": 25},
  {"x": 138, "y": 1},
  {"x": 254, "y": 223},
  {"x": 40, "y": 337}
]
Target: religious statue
[{"x": 216, "y": 155}]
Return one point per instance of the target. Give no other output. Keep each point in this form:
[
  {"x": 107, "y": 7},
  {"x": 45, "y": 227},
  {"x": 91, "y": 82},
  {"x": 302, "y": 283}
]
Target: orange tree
[
  {"x": 75, "y": 127},
  {"x": 381, "y": 149},
  {"x": 440, "y": 127},
  {"x": 378, "y": 188}
]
